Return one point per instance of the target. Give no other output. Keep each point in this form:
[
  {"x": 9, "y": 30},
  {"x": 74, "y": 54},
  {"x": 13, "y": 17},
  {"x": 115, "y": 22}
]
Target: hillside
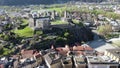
[{"x": 27, "y": 2}]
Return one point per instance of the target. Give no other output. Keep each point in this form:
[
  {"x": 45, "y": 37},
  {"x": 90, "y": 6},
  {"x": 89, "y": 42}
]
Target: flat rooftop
[
  {"x": 100, "y": 60},
  {"x": 80, "y": 59},
  {"x": 67, "y": 60}
]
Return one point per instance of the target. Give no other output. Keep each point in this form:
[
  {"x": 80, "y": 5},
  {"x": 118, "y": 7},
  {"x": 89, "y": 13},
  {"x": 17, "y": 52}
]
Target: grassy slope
[
  {"x": 58, "y": 22},
  {"x": 116, "y": 43},
  {"x": 26, "y": 32}
]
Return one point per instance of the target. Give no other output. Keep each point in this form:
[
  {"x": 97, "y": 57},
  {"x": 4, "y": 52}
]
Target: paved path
[{"x": 100, "y": 45}]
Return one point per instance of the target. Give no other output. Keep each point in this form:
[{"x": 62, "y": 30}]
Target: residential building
[
  {"x": 28, "y": 53},
  {"x": 30, "y": 58},
  {"x": 117, "y": 11},
  {"x": 115, "y": 25},
  {"x": 101, "y": 62},
  {"x": 3, "y": 62},
  {"x": 53, "y": 60},
  {"x": 114, "y": 54},
  {"x": 63, "y": 50},
  {"x": 80, "y": 61},
  {"x": 113, "y": 0},
  {"x": 77, "y": 50},
  {"x": 67, "y": 62}
]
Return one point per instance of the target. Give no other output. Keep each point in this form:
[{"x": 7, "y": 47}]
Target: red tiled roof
[
  {"x": 15, "y": 56},
  {"x": 78, "y": 48},
  {"x": 66, "y": 49},
  {"x": 71, "y": 48},
  {"x": 63, "y": 50},
  {"x": 88, "y": 48},
  {"x": 82, "y": 48},
  {"x": 28, "y": 53},
  {"x": 1, "y": 65},
  {"x": 63, "y": 53}
]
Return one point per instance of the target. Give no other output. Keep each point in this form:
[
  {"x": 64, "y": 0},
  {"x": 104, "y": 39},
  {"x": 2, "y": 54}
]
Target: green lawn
[
  {"x": 26, "y": 32},
  {"x": 57, "y": 9},
  {"x": 116, "y": 43},
  {"x": 58, "y": 22},
  {"x": 25, "y": 22},
  {"x": 6, "y": 51},
  {"x": 76, "y": 21}
]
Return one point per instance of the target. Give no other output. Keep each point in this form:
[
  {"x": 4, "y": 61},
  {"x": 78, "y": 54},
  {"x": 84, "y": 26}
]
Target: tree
[
  {"x": 104, "y": 30},
  {"x": 6, "y": 38},
  {"x": 32, "y": 43},
  {"x": 1, "y": 50},
  {"x": 10, "y": 36},
  {"x": 70, "y": 38},
  {"x": 66, "y": 34},
  {"x": 60, "y": 41},
  {"x": 8, "y": 27}
]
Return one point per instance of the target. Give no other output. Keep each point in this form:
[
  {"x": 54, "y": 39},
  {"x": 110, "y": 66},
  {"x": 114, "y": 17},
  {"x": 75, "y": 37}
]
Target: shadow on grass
[{"x": 23, "y": 26}]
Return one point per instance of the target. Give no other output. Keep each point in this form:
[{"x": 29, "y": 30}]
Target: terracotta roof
[
  {"x": 63, "y": 53},
  {"x": 78, "y": 48},
  {"x": 88, "y": 48},
  {"x": 28, "y": 53},
  {"x": 82, "y": 47},
  {"x": 15, "y": 56},
  {"x": 66, "y": 48},
  {"x": 62, "y": 50},
  {"x": 1, "y": 65},
  {"x": 70, "y": 48}
]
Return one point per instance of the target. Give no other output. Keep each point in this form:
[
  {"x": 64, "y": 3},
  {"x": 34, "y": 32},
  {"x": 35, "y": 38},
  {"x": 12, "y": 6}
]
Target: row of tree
[{"x": 106, "y": 32}]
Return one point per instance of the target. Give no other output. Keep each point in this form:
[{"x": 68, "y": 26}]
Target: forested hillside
[{"x": 27, "y": 2}]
